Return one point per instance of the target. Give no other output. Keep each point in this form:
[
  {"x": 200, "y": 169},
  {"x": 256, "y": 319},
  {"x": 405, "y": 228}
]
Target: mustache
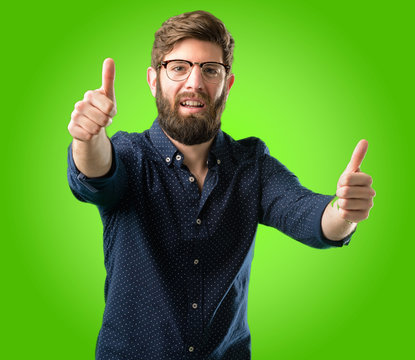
[{"x": 193, "y": 95}]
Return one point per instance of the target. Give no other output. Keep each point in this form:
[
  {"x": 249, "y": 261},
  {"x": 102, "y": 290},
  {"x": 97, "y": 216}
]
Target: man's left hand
[{"x": 354, "y": 188}]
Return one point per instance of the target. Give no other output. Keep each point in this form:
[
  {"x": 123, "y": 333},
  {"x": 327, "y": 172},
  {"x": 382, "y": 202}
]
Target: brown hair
[{"x": 199, "y": 25}]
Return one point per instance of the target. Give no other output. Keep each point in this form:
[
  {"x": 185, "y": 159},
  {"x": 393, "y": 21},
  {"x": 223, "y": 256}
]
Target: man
[{"x": 180, "y": 203}]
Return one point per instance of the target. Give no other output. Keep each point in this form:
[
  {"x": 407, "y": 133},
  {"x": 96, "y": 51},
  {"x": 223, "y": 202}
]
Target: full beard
[{"x": 194, "y": 128}]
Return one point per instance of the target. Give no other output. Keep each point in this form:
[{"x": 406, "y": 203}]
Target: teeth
[{"x": 192, "y": 103}]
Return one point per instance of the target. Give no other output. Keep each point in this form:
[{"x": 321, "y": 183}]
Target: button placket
[{"x": 194, "y": 310}]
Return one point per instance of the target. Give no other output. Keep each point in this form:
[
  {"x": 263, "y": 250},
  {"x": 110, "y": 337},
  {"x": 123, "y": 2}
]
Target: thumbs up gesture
[
  {"x": 354, "y": 188},
  {"x": 98, "y": 107}
]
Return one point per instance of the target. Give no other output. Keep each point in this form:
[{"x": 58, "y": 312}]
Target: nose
[{"x": 195, "y": 79}]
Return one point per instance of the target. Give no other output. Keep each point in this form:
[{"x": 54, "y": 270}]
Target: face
[{"x": 188, "y": 124}]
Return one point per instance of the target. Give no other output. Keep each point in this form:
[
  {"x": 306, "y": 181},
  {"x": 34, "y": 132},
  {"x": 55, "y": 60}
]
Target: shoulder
[
  {"x": 123, "y": 140},
  {"x": 247, "y": 148},
  {"x": 131, "y": 146}
]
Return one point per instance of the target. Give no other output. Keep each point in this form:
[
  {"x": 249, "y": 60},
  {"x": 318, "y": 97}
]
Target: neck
[{"x": 195, "y": 156}]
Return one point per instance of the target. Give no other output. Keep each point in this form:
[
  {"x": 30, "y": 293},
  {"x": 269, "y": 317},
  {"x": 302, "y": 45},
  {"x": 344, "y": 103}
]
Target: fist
[
  {"x": 354, "y": 188},
  {"x": 98, "y": 107}
]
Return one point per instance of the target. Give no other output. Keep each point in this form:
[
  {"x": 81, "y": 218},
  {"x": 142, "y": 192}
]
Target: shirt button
[
  {"x": 194, "y": 306},
  {"x": 191, "y": 348},
  {"x": 196, "y": 262},
  {"x": 198, "y": 221},
  {"x": 178, "y": 157},
  {"x": 168, "y": 159},
  {"x": 191, "y": 179},
  {"x": 218, "y": 161}
]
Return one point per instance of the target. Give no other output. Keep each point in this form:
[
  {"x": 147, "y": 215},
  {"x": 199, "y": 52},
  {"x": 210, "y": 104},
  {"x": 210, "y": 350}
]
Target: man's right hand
[
  {"x": 91, "y": 148},
  {"x": 96, "y": 110}
]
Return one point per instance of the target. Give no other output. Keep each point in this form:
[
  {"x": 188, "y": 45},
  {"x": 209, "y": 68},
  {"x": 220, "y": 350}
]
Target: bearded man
[{"x": 180, "y": 203}]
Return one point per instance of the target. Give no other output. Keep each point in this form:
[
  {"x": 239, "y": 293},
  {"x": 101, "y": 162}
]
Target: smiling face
[{"x": 190, "y": 110}]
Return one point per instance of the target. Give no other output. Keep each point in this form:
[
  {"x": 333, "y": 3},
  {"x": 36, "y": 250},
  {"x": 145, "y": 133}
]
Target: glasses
[{"x": 179, "y": 70}]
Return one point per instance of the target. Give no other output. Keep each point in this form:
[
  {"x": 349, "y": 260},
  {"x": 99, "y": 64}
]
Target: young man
[{"x": 181, "y": 202}]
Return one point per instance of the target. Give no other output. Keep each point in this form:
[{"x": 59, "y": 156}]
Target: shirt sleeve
[
  {"x": 105, "y": 191},
  {"x": 291, "y": 208}
]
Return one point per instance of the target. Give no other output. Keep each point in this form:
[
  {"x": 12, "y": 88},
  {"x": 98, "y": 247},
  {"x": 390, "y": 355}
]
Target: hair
[{"x": 199, "y": 25}]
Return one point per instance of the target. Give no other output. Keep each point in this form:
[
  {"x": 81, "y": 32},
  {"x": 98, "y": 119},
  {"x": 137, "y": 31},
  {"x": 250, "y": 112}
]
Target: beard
[{"x": 194, "y": 128}]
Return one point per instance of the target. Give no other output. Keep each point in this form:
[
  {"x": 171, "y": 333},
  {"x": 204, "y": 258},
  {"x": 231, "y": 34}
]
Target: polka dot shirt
[{"x": 177, "y": 260}]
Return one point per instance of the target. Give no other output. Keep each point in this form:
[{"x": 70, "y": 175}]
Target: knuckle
[
  {"x": 102, "y": 121},
  {"x": 88, "y": 136},
  {"x": 344, "y": 203},
  {"x": 79, "y": 105},
  {"x": 70, "y": 126},
  {"x": 75, "y": 114},
  {"x": 108, "y": 108},
  {"x": 346, "y": 179},
  {"x": 343, "y": 213},
  {"x": 88, "y": 95},
  {"x": 96, "y": 129},
  {"x": 346, "y": 191}
]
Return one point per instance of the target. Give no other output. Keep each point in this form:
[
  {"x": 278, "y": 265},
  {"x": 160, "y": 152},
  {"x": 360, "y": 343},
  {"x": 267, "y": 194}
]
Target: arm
[
  {"x": 96, "y": 173},
  {"x": 355, "y": 193},
  {"x": 290, "y": 207}
]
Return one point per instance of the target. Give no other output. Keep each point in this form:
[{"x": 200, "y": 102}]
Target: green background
[{"x": 312, "y": 79}]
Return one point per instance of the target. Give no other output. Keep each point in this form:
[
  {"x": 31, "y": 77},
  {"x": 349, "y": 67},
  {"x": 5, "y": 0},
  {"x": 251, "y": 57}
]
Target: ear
[
  {"x": 152, "y": 80},
  {"x": 229, "y": 83}
]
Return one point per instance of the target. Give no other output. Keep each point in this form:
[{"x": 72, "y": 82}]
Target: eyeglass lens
[{"x": 180, "y": 70}]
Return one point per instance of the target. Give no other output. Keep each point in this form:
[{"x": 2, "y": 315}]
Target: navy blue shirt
[{"x": 177, "y": 260}]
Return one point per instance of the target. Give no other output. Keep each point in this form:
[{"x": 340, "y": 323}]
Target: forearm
[
  {"x": 334, "y": 227},
  {"x": 94, "y": 157}
]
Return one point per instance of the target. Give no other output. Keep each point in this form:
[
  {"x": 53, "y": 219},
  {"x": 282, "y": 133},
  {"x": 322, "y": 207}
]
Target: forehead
[{"x": 195, "y": 50}]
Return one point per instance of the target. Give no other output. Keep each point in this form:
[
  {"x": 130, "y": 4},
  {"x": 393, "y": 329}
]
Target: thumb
[
  {"x": 108, "y": 76},
  {"x": 357, "y": 157}
]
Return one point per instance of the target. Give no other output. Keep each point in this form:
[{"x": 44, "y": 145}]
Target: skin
[
  {"x": 355, "y": 192},
  {"x": 92, "y": 148}
]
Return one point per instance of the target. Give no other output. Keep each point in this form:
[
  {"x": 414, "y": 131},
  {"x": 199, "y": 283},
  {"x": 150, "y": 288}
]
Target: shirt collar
[
  {"x": 162, "y": 143},
  {"x": 217, "y": 155}
]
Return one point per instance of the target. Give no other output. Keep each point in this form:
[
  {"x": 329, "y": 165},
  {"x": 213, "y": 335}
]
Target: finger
[
  {"x": 108, "y": 77},
  {"x": 101, "y": 102},
  {"x": 355, "y": 179},
  {"x": 354, "y": 215},
  {"x": 355, "y": 204},
  {"x": 78, "y": 132},
  {"x": 357, "y": 156},
  {"x": 91, "y": 112},
  {"x": 87, "y": 124},
  {"x": 355, "y": 192}
]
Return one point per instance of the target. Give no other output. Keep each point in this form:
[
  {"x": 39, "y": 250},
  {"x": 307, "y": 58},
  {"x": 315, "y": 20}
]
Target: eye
[
  {"x": 211, "y": 70},
  {"x": 178, "y": 67}
]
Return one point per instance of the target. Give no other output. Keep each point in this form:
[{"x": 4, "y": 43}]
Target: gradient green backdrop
[{"x": 312, "y": 79}]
